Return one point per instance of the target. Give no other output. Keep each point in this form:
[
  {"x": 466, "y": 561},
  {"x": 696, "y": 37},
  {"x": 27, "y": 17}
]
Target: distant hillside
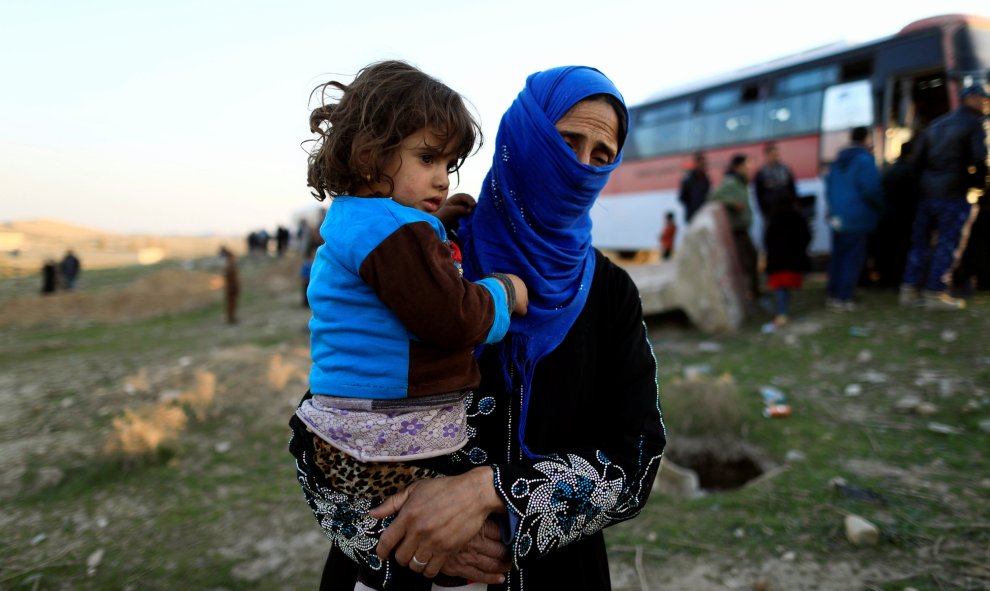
[{"x": 25, "y": 245}]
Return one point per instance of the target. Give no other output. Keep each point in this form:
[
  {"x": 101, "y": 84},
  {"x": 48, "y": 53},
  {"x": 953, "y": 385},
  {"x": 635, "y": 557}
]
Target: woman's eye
[{"x": 426, "y": 158}]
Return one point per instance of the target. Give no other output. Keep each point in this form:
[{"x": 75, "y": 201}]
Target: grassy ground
[{"x": 205, "y": 496}]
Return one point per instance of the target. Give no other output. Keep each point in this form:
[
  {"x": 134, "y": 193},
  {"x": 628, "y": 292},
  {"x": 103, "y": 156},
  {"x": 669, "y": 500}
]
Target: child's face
[{"x": 420, "y": 169}]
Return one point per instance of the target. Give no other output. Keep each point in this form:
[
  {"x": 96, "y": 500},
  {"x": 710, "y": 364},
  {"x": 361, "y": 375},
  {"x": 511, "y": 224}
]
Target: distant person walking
[
  {"x": 231, "y": 284},
  {"x": 667, "y": 236},
  {"x": 49, "y": 277},
  {"x": 773, "y": 184},
  {"x": 733, "y": 193},
  {"x": 281, "y": 240},
  {"x": 951, "y": 158},
  {"x": 853, "y": 193},
  {"x": 695, "y": 187},
  {"x": 70, "y": 268}
]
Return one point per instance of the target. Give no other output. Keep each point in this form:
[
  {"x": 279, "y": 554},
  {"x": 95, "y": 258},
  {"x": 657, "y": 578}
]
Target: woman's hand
[
  {"x": 454, "y": 208},
  {"x": 484, "y": 559},
  {"x": 436, "y": 519}
]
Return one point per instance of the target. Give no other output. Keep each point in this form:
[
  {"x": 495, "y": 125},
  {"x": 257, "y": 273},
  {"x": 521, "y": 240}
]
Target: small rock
[
  {"x": 49, "y": 477},
  {"x": 861, "y": 532},
  {"x": 102, "y": 522},
  {"x": 853, "y": 390},
  {"x": 794, "y": 455},
  {"x": 675, "y": 480},
  {"x": 651, "y": 537},
  {"x": 694, "y": 372},
  {"x": 169, "y": 395},
  {"x": 222, "y": 447},
  {"x": 875, "y": 377},
  {"x": 789, "y": 556},
  {"x": 926, "y": 409},
  {"x": 39, "y": 539},
  {"x": 865, "y": 356},
  {"x": 185, "y": 361},
  {"x": 709, "y": 347},
  {"x": 907, "y": 404},
  {"x": 93, "y": 562},
  {"x": 739, "y": 533},
  {"x": 67, "y": 402},
  {"x": 943, "y": 428},
  {"x": 972, "y": 405},
  {"x": 949, "y": 335}
]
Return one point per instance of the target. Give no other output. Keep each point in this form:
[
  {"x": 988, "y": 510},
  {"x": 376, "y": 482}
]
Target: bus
[{"x": 806, "y": 104}]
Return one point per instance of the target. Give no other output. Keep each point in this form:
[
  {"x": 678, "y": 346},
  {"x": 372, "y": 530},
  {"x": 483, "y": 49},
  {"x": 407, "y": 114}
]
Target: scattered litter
[
  {"x": 777, "y": 410},
  {"x": 853, "y": 390},
  {"x": 858, "y": 493},
  {"x": 771, "y": 395},
  {"x": 949, "y": 335},
  {"x": 859, "y": 331},
  {"x": 943, "y": 428},
  {"x": 39, "y": 539}
]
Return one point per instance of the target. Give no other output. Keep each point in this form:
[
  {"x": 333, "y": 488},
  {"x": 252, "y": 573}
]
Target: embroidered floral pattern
[{"x": 571, "y": 499}]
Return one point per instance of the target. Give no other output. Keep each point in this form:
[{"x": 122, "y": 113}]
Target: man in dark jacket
[
  {"x": 694, "y": 187},
  {"x": 951, "y": 160},
  {"x": 890, "y": 244},
  {"x": 774, "y": 184},
  {"x": 855, "y": 201}
]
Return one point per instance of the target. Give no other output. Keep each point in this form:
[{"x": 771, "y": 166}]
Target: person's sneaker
[
  {"x": 909, "y": 296},
  {"x": 840, "y": 305},
  {"x": 940, "y": 300}
]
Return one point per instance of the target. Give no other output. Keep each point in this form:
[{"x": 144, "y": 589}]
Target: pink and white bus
[{"x": 806, "y": 104}]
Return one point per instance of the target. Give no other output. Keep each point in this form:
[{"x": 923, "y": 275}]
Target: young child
[
  {"x": 667, "y": 236},
  {"x": 394, "y": 324},
  {"x": 786, "y": 238}
]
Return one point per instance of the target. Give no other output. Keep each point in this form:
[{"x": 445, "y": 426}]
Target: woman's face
[{"x": 591, "y": 129}]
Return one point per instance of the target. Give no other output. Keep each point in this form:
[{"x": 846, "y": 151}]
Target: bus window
[
  {"x": 793, "y": 115},
  {"x": 657, "y": 113},
  {"x": 740, "y": 125},
  {"x": 806, "y": 80},
  {"x": 661, "y": 138},
  {"x": 720, "y": 100}
]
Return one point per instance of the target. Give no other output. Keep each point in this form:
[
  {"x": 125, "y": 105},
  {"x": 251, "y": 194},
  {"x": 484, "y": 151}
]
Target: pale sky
[{"x": 186, "y": 117}]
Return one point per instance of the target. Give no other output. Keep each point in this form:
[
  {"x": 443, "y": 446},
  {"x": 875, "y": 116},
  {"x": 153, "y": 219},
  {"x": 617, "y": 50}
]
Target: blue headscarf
[{"x": 533, "y": 218}]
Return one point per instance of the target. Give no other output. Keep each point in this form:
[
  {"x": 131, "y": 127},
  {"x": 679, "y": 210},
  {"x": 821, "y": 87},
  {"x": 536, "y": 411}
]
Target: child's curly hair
[{"x": 386, "y": 102}]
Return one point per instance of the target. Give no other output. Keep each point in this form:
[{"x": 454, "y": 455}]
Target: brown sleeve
[{"x": 413, "y": 274}]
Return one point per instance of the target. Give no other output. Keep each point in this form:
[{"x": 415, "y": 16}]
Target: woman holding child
[{"x": 564, "y": 429}]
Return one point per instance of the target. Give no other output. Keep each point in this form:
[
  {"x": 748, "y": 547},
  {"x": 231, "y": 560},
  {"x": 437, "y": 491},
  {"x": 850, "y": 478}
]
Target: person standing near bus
[
  {"x": 733, "y": 194},
  {"x": 855, "y": 200},
  {"x": 774, "y": 184},
  {"x": 695, "y": 187},
  {"x": 951, "y": 159}
]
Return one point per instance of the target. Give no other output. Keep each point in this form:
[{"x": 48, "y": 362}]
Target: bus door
[{"x": 916, "y": 99}]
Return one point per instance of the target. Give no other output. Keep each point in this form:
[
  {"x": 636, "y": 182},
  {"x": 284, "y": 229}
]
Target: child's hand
[
  {"x": 454, "y": 208},
  {"x": 522, "y": 295}
]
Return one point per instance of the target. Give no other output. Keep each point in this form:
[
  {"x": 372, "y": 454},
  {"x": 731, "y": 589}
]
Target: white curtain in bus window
[{"x": 845, "y": 106}]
